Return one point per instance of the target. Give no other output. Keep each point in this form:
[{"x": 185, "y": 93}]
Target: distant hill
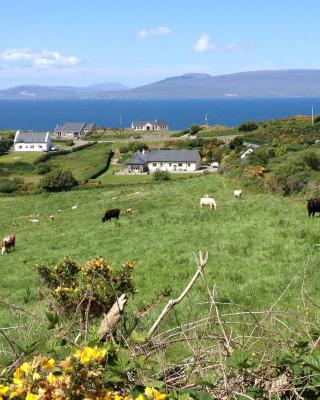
[
  {"x": 254, "y": 84},
  {"x": 60, "y": 92}
]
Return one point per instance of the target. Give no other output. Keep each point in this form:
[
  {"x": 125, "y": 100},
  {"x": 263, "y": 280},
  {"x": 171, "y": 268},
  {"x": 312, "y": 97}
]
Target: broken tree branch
[{"x": 201, "y": 262}]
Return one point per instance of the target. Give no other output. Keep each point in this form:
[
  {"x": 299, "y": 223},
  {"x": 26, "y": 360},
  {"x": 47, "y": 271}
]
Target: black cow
[
  {"x": 313, "y": 206},
  {"x": 109, "y": 214}
]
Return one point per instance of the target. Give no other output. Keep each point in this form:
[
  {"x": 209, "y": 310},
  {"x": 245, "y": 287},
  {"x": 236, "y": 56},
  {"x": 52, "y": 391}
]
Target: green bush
[
  {"x": 137, "y": 146},
  {"x": 259, "y": 157},
  {"x": 58, "y": 181},
  {"x": 291, "y": 177},
  {"x": 10, "y": 186},
  {"x": 236, "y": 143},
  {"x": 312, "y": 160},
  {"x": 123, "y": 149},
  {"x": 180, "y": 133},
  {"x": 248, "y": 126},
  {"x": 194, "y": 129},
  {"x": 42, "y": 169},
  {"x": 161, "y": 176},
  {"x": 5, "y": 144}
]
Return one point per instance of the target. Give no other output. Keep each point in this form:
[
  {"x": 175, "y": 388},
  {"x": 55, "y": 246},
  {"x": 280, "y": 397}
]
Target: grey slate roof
[
  {"x": 154, "y": 123},
  {"x": 164, "y": 156},
  {"x": 72, "y": 127},
  {"x": 31, "y": 137}
]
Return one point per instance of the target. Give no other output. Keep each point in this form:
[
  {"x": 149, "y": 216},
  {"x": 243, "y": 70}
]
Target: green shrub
[
  {"x": 5, "y": 144},
  {"x": 295, "y": 147},
  {"x": 236, "y": 143},
  {"x": 248, "y": 126},
  {"x": 137, "y": 146},
  {"x": 10, "y": 185},
  {"x": 58, "y": 181},
  {"x": 42, "y": 169},
  {"x": 259, "y": 157},
  {"x": 194, "y": 129},
  {"x": 180, "y": 133},
  {"x": 161, "y": 176},
  {"x": 291, "y": 177},
  {"x": 312, "y": 160},
  {"x": 123, "y": 149}
]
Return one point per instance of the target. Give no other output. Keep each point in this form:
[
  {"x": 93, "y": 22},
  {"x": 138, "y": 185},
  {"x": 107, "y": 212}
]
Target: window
[
  {"x": 180, "y": 164},
  {"x": 154, "y": 164},
  {"x": 20, "y": 147},
  {"x": 170, "y": 164},
  {"x": 189, "y": 164},
  {"x": 161, "y": 164},
  {"x": 32, "y": 146},
  {"x": 40, "y": 146}
]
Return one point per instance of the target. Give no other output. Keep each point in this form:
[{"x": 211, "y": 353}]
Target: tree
[
  {"x": 137, "y": 146},
  {"x": 5, "y": 144},
  {"x": 58, "y": 181},
  {"x": 248, "y": 126},
  {"x": 194, "y": 129},
  {"x": 236, "y": 143}
]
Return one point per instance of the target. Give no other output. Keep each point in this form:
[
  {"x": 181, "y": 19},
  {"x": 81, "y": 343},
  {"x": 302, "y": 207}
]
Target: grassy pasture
[{"x": 256, "y": 245}]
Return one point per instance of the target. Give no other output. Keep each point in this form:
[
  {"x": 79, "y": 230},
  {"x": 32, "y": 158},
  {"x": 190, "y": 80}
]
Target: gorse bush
[
  {"x": 96, "y": 280},
  {"x": 42, "y": 169},
  {"x": 5, "y": 144},
  {"x": 236, "y": 143},
  {"x": 58, "y": 181},
  {"x": 10, "y": 185},
  {"x": 89, "y": 373}
]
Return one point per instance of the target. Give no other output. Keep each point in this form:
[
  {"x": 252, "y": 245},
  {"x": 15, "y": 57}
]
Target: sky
[{"x": 135, "y": 42}]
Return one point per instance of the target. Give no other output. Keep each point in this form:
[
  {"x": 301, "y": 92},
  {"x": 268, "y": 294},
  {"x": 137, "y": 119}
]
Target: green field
[
  {"x": 83, "y": 163},
  {"x": 256, "y": 246}
]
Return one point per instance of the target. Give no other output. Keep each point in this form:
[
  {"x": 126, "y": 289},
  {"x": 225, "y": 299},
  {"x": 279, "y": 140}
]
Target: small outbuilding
[{"x": 32, "y": 141}]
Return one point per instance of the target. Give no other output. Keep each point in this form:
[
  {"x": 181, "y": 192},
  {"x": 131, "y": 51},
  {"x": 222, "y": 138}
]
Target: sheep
[
  {"x": 74, "y": 207},
  {"x": 237, "y": 194},
  {"x": 208, "y": 201},
  {"x": 129, "y": 211},
  {"x": 51, "y": 218},
  {"x": 34, "y": 220}
]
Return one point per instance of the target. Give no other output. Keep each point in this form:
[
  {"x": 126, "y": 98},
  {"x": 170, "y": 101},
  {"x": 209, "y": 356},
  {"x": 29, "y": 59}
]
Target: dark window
[{"x": 180, "y": 164}]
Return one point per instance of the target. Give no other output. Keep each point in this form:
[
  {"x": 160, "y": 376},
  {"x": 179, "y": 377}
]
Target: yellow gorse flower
[
  {"x": 89, "y": 354},
  {"x": 31, "y": 396},
  {"x": 48, "y": 364},
  {"x": 154, "y": 394}
]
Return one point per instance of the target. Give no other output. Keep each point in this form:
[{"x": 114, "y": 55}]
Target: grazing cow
[
  {"x": 237, "y": 194},
  {"x": 7, "y": 243},
  {"x": 313, "y": 206},
  {"x": 109, "y": 214},
  {"x": 208, "y": 201}
]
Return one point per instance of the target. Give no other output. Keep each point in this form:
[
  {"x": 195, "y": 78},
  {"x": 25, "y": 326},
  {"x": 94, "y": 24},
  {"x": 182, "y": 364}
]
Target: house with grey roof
[
  {"x": 164, "y": 160},
  {"x": 73, "y": 130},
  {"x": 150, "y": 125},
  {"x": 32, "y": 141}
]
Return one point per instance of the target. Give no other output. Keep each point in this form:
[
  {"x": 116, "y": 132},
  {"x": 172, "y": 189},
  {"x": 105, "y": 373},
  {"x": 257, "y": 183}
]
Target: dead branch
[
  {"x": 109, "y": 323},
  {"x": 201, "y": 262}
]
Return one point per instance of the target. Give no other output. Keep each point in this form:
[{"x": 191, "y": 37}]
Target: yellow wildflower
[
  {"x": 17, "y": 377},
  {"x": 30, "y": 396},
  {"x": 26, "y": 368},
  {"x": 90, "y": 354},
  {"x": 3, "y": 390},
  {"x": 140, "y": 397},
  {"x": 48, "y": 364},
  {"x": 51, "y": 378},
  {"x": 36, "y": 376},
  {"x": 154, "y": 394}
]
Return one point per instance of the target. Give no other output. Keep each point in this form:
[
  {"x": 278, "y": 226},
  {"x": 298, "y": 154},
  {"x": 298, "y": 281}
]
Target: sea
[{"x": 44, "y": 115}]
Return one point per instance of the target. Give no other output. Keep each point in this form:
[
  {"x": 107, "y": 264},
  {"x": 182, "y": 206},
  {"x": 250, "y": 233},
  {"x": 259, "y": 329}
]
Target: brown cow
[
  {"x": 8, "y": 243},
  {"x": 313, "y": 206}
]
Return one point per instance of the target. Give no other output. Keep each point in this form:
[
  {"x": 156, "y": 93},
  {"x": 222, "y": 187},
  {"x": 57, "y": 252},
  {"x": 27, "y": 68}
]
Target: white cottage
[
  {"x": 164, "y": 160},
  {"x": 150, "y": 125},
  {"x": 32, "y": 141}
]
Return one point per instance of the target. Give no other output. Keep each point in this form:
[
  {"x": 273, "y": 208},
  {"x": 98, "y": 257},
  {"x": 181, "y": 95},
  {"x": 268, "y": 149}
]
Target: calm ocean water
[{"x": 180, "y": 113}]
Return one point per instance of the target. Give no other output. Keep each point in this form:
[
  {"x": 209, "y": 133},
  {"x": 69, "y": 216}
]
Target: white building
[
  {"x": 32, "y": 141},
  {"x": 150, "y": 125},
  {"x": 164, "y": 160},
  {"x": 250, "y": 150}
]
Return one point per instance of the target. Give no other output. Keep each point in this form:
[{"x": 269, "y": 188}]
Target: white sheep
[
  {"x": 208, "y": 201},
  {"x": 237, "y": 194}
]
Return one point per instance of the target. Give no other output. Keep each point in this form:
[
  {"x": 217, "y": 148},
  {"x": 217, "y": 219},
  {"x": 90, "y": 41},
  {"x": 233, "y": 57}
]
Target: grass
[
  {"x": 256, "y": 245},
  {"x": 83, "y": 163},
  {"x": 26, "y": 157}
]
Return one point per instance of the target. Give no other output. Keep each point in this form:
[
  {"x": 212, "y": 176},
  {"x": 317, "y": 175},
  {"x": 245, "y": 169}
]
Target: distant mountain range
[{"x": 301, "y": 82}]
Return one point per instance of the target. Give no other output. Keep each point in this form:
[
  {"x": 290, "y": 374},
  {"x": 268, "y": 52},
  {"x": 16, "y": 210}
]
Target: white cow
[
  {"x": 208, "y": 201},
  {"x": 237, "y": 194}
]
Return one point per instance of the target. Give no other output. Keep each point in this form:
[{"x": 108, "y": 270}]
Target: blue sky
[{"x": 79, "y": 42}]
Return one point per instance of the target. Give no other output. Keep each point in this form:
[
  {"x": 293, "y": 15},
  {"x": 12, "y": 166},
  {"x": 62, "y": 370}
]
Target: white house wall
[
  {"x": 173, "y": 166},
  {"x": 32, "y": 147}
]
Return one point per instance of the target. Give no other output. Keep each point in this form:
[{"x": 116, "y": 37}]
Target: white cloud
[
  {"x": 160, "y": 30},
  {"x": 43, "y": 59},
  {"x": 205, "y": 44}
]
